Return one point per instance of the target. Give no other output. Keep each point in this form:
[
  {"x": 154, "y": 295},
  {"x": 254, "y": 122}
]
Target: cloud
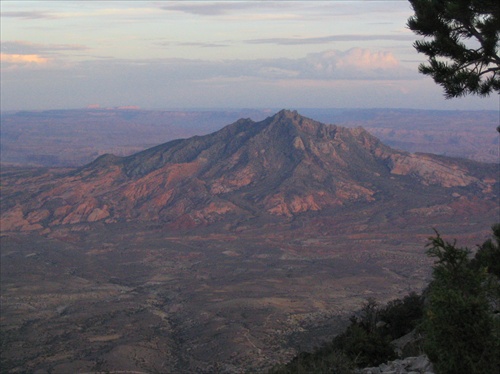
[
  {"x": 26, "y": 48},
  {"x": 329, "y": 38},
  {"x": 138, "y": 12},
  {"x": 352, "y": 63},
  {"x": 29, "y": 15},
  {"x": 284, "y": 9},
  {"x": 22, "y": 59},
  {"x": 239, "y": 10},
  {"x": 206, "y": 8},
  {"x": 21, "y": 54},
  {"x": 175, "y": 82},
  {"x": 196, "y": 44}
]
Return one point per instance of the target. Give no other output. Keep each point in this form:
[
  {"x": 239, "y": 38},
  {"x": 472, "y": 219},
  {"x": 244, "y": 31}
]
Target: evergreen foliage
[
  {"x": 488, "y": 254},
  {"x": 403, "y": 316},
  {"x": 461, "y": 335},
  {"x": 461, "y": 43},
  {"x": 363, "y": 342}
]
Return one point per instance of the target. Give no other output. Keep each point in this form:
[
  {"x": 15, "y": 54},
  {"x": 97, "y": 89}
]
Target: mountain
[
  {"x": 274, "y": 170},
  {"x": 75, "y": 137},
  {"x": 228, "y": 252}
]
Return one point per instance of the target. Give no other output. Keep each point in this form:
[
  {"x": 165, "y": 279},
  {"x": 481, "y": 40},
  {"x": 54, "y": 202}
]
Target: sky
[{"x": 215, "y": 54}]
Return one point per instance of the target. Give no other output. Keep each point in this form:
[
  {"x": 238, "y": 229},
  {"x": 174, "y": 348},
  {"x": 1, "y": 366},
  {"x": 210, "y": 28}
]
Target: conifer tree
[{"x": 461, "y": 41}]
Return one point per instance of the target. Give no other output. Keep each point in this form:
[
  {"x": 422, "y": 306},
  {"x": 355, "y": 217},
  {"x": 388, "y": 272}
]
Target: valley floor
[{"x": 138, "y": 298}]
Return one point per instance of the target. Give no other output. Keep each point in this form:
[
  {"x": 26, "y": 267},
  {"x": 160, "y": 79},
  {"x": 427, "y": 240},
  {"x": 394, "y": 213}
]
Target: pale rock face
[
  {"x": 98, "y": 214},
  {"x": 299, "y": 144},
  {"x": 14, "y": 220},
  {"x": 409, "y": 365},
  {"x": 297, "y": 204},
  {"x": 430, "y": 170}
]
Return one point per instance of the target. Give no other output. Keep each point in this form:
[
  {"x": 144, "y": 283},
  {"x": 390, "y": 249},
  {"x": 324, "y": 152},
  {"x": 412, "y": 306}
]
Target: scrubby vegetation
[
  {"x": 455, "y": 318},
  {"x": 365, "y": 342}
]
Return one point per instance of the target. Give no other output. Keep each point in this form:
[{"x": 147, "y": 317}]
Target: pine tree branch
[
  {"x": 479, "y": 61},
  {"x": 490, "y": 70}
]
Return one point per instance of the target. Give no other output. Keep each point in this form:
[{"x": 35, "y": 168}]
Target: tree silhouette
[{"x": 461, "y": 42}]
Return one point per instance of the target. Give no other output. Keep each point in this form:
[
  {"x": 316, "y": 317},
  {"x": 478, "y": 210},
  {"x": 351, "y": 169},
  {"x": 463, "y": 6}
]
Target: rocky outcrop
[
  {"x": 431, "y": 170},
  {"x": 409, "y": 365}
]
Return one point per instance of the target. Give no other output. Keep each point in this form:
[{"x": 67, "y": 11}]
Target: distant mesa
[
  {"x": 125, "y": 107},
  {"x": 128, "y": 107},
  {"x": 280, "y": 168}
]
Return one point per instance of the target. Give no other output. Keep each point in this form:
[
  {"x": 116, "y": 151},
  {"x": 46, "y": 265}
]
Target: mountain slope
[{"x": 279, "y": 168}]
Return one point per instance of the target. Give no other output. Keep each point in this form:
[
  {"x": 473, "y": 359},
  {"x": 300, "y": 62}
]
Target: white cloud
[
  {"x": 22, "y": 59},
  {"x": 355, "y": 63},
  {"x": 15, "y": 61},
  {"x": 26, "y": 55}
]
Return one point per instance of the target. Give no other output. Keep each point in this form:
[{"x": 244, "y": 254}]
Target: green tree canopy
[{"x": 461, "y": 42}]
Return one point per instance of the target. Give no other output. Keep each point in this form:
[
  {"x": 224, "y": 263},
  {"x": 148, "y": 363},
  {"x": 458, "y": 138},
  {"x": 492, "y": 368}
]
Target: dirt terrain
[{"x": 139, "y": 299}]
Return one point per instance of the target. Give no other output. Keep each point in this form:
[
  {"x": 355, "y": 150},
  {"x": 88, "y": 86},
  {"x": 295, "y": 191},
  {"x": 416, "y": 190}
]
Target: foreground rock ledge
[{"x": 409, "y": 365}]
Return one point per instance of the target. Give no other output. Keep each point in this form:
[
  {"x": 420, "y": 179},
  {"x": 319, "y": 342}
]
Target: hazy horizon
[{"x": 270, "y": 110}]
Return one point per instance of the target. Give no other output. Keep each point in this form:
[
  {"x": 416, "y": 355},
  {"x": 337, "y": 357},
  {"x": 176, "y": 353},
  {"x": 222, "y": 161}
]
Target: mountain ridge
[{"x": 281, "y": 167}]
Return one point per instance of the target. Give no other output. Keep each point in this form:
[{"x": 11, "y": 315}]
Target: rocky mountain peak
[
  {"x": 283, "y": 166},
  {"x": 293, "y": 120},
  {"x": 286, "y": 113}
]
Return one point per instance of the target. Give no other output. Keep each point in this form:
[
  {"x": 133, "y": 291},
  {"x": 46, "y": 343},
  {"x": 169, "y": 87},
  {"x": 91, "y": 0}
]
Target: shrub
[
  {"x": 402, "y": 316},
  {"x": 459, "y": 327}
]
